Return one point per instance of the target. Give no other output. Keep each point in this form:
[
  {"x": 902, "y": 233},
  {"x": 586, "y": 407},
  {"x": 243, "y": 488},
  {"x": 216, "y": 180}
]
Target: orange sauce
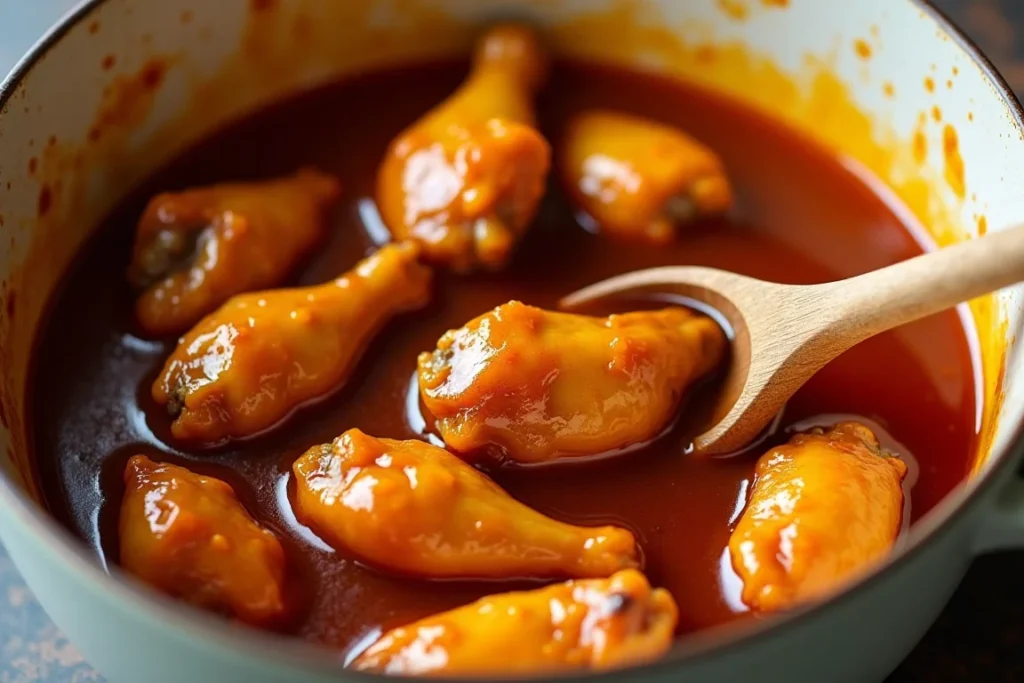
[
  {"x": 802, "y": 217},
  {"x": 954, "y": 162}
]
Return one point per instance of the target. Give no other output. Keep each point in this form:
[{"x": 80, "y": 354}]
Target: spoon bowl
[{"x": 784, "y": 334}]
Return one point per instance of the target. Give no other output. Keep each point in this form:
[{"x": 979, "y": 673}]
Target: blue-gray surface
[
  {"x": 980, "y": 636},
  {"x": 32, "y": 649}
]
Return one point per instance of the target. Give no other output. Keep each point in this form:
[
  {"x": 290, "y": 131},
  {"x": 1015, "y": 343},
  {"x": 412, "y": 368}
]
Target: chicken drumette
[
  {"x": 414, "y": 508},
  {"x": 196, "y": 249},
  {"x": 249, "y": 364},
  {"x": 466, "y": 179},
  {"x": 638, "y": 179},
  {"x": 535, "y": 386},
  {"x": 824, "y": 507},
  {"x": 189, "y": 536},
  {"x": 591, "y": 624}
]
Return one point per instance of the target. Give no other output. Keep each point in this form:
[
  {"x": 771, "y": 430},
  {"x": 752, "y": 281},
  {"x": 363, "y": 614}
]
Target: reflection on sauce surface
[{"x": 801, "y": 217}]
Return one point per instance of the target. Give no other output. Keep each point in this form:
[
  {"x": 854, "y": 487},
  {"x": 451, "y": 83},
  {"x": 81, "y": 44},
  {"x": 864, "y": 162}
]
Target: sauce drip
[{"x": 802, "y": 217}]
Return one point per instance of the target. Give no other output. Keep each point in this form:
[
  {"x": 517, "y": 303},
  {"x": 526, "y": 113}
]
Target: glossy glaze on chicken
[{"x": 334, "y": 396}]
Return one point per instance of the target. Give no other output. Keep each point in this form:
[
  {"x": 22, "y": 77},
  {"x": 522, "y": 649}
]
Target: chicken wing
[
  {"x": 412, "y": 507},
  {"x": 591, "y": 624},
  {"x": 260, "y": 356},
  {"x": 533, "y": 386},
  {"x": 466, "y": 179},
  {"x": 196, "y": 249},
  {"x": 823, "y": 508},
  {"x": 638, "y": 179},
  {"x": 188, "y": 536}
]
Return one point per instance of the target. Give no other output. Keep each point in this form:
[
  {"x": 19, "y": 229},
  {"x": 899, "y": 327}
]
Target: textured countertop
[{"x": 979, "y": 637}]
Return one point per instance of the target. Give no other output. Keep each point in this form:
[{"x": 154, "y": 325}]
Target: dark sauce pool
[{"x": 802, "y": 217}]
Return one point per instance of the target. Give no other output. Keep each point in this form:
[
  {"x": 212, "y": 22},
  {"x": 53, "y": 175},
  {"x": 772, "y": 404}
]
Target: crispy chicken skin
[
  {"x": 533, "y": 386},
  {"x": 414, "y": 508},
  {"x": 638, "y": 179},
  {"x": 188, "y": 536},
  {"x": 590, "y": 624},
  {"x": 260, "y": 356},
  {"x": 196, "y": 249},
  {"x": 823, "y": 508},
  {"x": 466, "y": 179}
]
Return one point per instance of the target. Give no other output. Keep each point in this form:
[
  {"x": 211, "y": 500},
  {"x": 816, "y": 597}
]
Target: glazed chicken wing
[
  {"x": 639, "y": 180},
  {"x": 414, "y": 508},
  {"x": 591, "y": 624},
  {"x": 249, "y": 364},
  {"x": 466, "y": 179},
  {"x": 823, "y": 508},
  {"x": 196, "y": 249},
  {"x": 532, "y": 386},
  {"x": 188, "y": 536}
]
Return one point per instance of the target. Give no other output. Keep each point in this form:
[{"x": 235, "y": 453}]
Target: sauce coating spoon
[{"x": 783, "y": 334}]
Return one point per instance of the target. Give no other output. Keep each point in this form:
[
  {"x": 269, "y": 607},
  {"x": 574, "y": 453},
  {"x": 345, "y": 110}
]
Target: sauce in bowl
[{"x": 801, "y": 216}]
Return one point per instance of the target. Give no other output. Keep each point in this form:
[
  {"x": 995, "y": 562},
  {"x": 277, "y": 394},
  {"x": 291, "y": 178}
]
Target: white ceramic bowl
[{"x": 79, "y": 128}]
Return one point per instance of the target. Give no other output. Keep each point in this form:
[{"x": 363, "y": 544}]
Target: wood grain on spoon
[{"x": 783, "y": 334}]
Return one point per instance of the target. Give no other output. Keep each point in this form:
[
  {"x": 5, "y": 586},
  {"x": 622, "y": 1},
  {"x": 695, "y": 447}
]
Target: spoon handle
[{"x": 927, "y": 284}]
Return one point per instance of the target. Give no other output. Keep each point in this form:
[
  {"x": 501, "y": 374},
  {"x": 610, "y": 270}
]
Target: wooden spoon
[{"x": 783, "y": 334}]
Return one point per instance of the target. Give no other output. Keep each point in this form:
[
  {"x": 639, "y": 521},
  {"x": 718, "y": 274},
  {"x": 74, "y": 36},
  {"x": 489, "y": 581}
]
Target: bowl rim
[{"x": 286, "y": 650}]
